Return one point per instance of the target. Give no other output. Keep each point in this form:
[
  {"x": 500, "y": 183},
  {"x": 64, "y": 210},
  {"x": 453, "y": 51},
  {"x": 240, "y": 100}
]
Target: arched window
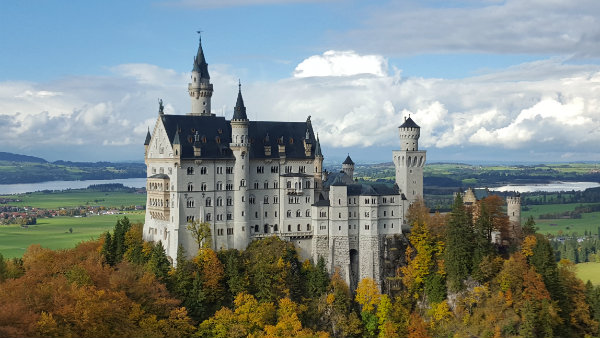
[
  {"x": 298, "y": 213},
  {"x": 307, "y": 213},
  {"x": 190, "y": 187},
  {"x": 266, "y": 228},
  {"x": 308, "y": 227},
  {"x": 208, "y": 202},
  {"x": 256, "y": 228},
  {"x": 289, "y": 227},
  {"x": 289, "y": 213},
  {"x": 298, "y": 227}
]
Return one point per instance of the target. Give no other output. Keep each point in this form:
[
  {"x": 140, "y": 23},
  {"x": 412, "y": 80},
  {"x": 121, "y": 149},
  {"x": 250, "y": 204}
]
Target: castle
[{"x": 253, "y": 179}]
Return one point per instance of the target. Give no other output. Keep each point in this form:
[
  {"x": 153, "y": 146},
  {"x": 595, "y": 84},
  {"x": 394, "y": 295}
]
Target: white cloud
[
  {"x": 341, "y": 63},
  {"x": 535, "y": 107}
]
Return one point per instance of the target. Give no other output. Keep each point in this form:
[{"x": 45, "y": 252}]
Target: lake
[
  {"x": 22, "y": 188},
  {"x": 551, "y": 187}
]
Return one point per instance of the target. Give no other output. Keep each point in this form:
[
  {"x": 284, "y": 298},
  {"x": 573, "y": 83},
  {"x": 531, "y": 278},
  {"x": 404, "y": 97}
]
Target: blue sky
[{"x": 513, "y": 80}]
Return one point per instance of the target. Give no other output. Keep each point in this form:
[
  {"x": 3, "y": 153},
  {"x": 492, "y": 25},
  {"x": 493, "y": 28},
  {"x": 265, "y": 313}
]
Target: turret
[
  {"x": 513, "y": 209},
  {"x": 177, "y": 144},
  {"x": 240, "y": 146},
  {"x": 409, "y": 135},
  {"x": 318, "y": 162},
  {"x": 348, "y": 167},
  {"x": 200, "y": 88}
]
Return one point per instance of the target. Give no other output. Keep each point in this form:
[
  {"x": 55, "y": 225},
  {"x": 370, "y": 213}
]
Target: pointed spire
[
  {"x": 318, "y": 148},
  {"x": 200, "y": 64},
  {"x": 348, "y": 160},
  {"x": 239, "y": 112},
  {"x": 176, "y": 139},
  {"x": 148, "y": 138}
]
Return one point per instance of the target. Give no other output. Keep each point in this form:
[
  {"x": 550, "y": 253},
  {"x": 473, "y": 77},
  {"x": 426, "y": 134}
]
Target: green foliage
[
  {"x": 459, "y": 245},
  {"x": 158, "y": 263},
  {"x": 482, "y": 245},
  {"x": 2, "y": 268},
  {"x": 317, "y": 279},
  {"x": 435, "y": 288},
  {"x": 529, "y": 227},
  {"x": 200, "y": 232}
]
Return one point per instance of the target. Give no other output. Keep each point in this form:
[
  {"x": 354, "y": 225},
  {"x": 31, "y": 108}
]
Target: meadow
[
  {"x": 588, "y": 221},
  {"x": 54, "y": 232},
  {"x": 76, "y": 198},
  {"x": 589, "y": 271}
]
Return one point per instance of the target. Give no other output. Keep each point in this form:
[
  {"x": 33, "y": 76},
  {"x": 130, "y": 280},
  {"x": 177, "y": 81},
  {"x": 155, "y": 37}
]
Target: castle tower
[
  {"x": 200, "y": 89},
  {"x": 240, "y": 145},
  {"x": 318, "y": 162},
  {"x": 348, "y": 167},
  {"x": 339, "y": 247},
  {"x": 409, "y": 161},
  {"x": 513, "y": 209}
]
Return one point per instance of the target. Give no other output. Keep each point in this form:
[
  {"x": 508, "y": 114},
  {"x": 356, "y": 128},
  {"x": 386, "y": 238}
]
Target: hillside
[{"x": 16, "y": 168}]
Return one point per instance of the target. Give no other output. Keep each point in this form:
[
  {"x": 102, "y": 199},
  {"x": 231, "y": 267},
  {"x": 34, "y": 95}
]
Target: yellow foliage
[
  {"x": 528, "y": 244},
  {"x": 330, "y": 299},
  {"x": 367, "y": 294}
]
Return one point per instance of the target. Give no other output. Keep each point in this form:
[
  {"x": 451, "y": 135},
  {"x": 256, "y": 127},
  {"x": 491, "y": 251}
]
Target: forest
[{"x": 456, "y": 283}]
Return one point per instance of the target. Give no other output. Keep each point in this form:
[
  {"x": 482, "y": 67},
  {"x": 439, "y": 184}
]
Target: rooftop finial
[
  {"x": 239, "y": 85},
  {"x": 199, "y": 35}
]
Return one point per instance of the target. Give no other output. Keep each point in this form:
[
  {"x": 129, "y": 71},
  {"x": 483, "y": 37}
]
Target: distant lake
[
  {"x": 551, "y": 187},
  {"x": 22, "y": 188}
]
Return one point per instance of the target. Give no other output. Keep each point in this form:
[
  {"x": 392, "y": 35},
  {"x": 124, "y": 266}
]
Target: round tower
[
  {"x": 200, "y": 88},
  {"x": 240, "y": 145},
  {"x": 348, "y": 167},
  {"x": 409, "y": 135},
  {"x": 513, "y": 209}
]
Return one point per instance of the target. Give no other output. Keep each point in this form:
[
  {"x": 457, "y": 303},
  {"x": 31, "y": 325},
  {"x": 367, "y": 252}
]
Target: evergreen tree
[
  {"x": 481, "y": 240},
  {"x": 118, "y": 241},
  {"x": 107, "y": 249},
  {"x": 317, "y": 279},
  {"x": 2, "y": 268},
  {"x": 529, "y": 227},
  {"x": 459, "y": 245},
  {"x": 158, "y": 263}
]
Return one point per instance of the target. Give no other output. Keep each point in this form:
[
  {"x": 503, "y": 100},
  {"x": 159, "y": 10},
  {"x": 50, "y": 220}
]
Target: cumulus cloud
[
  {"x": 511, "y": 26},
  {"x": 341, "y": 63},
  {"x": 543, "y": 106}
]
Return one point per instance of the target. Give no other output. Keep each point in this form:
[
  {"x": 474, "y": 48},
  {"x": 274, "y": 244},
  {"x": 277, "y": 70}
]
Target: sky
[{"x": 487, "y": 80}]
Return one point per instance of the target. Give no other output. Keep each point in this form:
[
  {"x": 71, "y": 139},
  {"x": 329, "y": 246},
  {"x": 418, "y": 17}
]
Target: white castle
[{"x": 253, "y": 179}]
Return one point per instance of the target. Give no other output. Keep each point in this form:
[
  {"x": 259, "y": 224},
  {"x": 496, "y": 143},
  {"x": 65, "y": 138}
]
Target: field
[
  {"x": 75, "y": 198},
  {"x": 54, "y": 233},
  {"x": 589, "y": 271},
  {"x": 588, "y": 221}
]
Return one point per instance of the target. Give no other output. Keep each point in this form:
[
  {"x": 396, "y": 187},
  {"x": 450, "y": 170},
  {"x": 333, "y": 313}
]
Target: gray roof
[
  {"x": 215, "y": 136},
  {"x": 372, "y": 190},
  {"x": 409, "y": 123},
  {"x": 148, "y": 138},
  {"x": 239, "y": 112},
  {"x": 318, "y": 148},
  {"x": 163, "y": 176},
  {"x": 348, "y": 160},
  {"x": 200, "y": 64}
]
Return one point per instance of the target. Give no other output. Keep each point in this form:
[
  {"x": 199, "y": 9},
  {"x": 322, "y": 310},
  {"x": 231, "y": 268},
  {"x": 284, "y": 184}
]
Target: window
[
  {"x": 242, "y": 183},
  {"x": 289, "y": 184},
  {"x": 384, "y": 213},
  {"x": 255, "y": 185},
  {"x": 208, "y": 217},
  {"x": 208, "y": 202},
  {"x": 302, "y": 169},
  {"x": 230, "y": 231},
  {"x": 298, "y": 213},
  {"x": 384, "y": 200},
  {"x": 266, "y": 214},
  {"x": 275, "y": 213},
  {"x": 190, "y": 203},
  {"x": 289, "y": 227},
  {"x": 275, "y": 228},
  {"x": 190, "y": 170},
  {"x": 229, "y": 170},
  {"x": 308, "y": 227},
  {"x": 219, "y": 217},
  {"x": 266, "y": 199},
  {"x": 203, "y": 186},
  {"x": 289, "y": 213},
  {"x": 366, "y": 214},
  {"x": 219, "y": 232},
  {"x": 190, "y": 218},
  {"x": 229, "y": 186},
  {"x": 366, "y": 227},
  {"x": 260, "y": 169},
  {"x": 307, "y": 199},
  {"x": 266, "y": 226},
  {"x": 275, "y": 185},
  {"x": 392, "y": 199},
  {"x": 190, "y": 187},
  {"x": 366, "y": 201},
  {"x": 340, "y": 215},
  {"x": 274, "y": 169},
  {"x": 229, "y": 216},
  {"x": 219, "y": 185},
  {"x": 322, "y": 213},
  {"x": 202, "y": 170},
  {"x": 298, "y": 227},
  {"x": 251, "y": 200},
  {"x": 307, "y": 214},
  {"x": 256, "y": 228},
  {"x": 219, "y": 170},
  {"x": 256, "y": 214},
  {"x": 339, "y": 201},
  {"x": 276, "y": 199},
  {"x": 219, "y": 201},
  {"x": 392, "y": 212},
  {"x": 229, "y": 201}
]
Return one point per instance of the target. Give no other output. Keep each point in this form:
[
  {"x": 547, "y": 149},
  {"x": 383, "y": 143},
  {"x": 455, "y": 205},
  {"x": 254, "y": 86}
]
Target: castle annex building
[{"x": 252, "y": 179}]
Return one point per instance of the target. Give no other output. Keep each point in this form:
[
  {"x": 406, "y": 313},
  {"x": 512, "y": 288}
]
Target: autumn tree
[{"x": 200, "y": 233}]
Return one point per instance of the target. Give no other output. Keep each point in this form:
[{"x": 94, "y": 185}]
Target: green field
[
  {"x": 75, "y": 198},
  {"x": 589, "y": 271},
  {"x": 54, "y": 233},
  {"x": 588, "y": 221}
]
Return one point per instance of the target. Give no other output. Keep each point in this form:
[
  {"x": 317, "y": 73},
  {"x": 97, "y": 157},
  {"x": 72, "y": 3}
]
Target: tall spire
[
  {"x": 200, "y": 64},
  {"x": 148, "y": 138},
  {"x": 239, "y": 112},
  {"x": 318, "y": 148}
]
